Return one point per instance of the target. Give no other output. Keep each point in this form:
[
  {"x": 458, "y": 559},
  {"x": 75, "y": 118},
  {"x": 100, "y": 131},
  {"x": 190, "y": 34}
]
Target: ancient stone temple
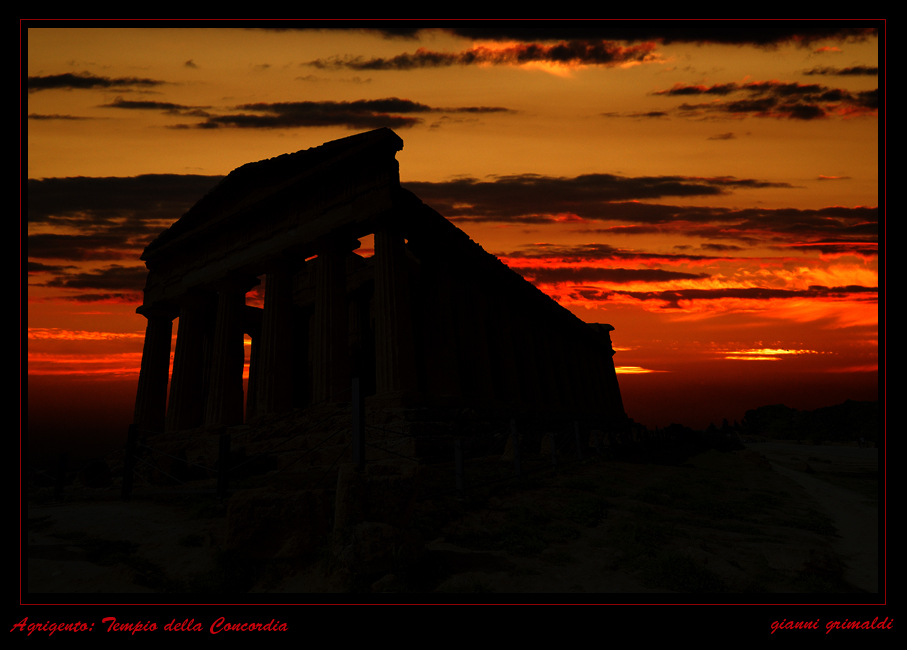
[{"x": 430, "y": 319}]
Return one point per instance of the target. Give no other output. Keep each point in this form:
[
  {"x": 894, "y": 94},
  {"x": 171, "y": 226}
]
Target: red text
[
  {"x": 49, "y": 627},
  {"x": 222, "y": 626},
  {"x": 132, "y": 628},
  {"x": 795, "y": 625},
  {"x": 875, "y": 624},
  {"x": 188, "y": 625}
]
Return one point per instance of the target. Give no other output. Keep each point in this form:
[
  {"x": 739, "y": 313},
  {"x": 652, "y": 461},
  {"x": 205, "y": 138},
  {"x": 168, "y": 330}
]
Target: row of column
[
  {"x": 473, "y": 343},
  {"x": 206, "y": 386}
]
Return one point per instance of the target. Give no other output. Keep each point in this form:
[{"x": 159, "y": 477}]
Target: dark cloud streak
[
  {"x": 776, "y": 99},
  {"x": 572, "y": 52},
  {"x": 148, "y": 105},
  {"x": 857, "y": 70},
  {"x": 767, "y": 34},
  {"x": 94, "y": 201},
  {"x": 114, "y": 277},
  {"x": 115, "y": 217},
  {"x": 599, "y": 252},
  {"x": 84, "y": 247},
  {"x": 535, "y": 199},
  {"x": 575, "y": 275},
  {"x": 590, "y": 196},
  {"x": 720, "y": 33},
  {"x": 672, "y": 298},
  {"x": 37, "y": 116},
  {"x": 361, "y": 114},
  {"x": 755, "y": 34},
  {"x": 85, "y": 81}
]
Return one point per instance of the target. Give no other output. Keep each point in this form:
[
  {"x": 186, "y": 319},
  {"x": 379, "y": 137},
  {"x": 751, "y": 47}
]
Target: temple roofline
[{"x": 257, "y": 182}]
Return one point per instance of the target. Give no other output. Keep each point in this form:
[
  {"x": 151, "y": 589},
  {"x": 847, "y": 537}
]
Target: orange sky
[{"x": 712, "y": 194}]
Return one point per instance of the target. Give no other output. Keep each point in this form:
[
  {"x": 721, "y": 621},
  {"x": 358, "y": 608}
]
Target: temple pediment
[{"x": 290, "y": 186}]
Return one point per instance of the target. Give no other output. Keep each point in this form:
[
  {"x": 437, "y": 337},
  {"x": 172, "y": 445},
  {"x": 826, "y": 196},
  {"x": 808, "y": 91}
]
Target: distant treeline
[{"x": 843, "y": 422}]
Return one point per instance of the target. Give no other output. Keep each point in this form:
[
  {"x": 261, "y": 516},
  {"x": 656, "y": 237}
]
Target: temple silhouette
[{"x": 430, "y": 320}]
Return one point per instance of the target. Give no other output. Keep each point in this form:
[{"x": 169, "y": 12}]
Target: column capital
[{"x": 159, "y": 311}]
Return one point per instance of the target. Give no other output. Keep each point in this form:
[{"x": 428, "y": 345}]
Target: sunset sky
[{"x": 712, "y": 190}]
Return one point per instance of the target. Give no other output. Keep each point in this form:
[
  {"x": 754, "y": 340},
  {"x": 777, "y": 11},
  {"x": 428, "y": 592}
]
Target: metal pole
[
  {"x": 516, "y": 447},
  {"x": 579, "y": 445}
]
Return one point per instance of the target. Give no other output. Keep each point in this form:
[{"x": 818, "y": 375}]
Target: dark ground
[{"x": 753, "y": 525}]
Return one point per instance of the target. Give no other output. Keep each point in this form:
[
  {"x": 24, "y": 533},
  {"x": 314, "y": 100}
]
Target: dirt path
[{"x": 856, "y": 517}]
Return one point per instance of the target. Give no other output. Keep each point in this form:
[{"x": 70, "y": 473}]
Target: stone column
[
  {"x": 151, "y": 395},
  {"x": 394, "y": 349},
  {"x": 277, "y": 348},
  {"x": 330, "y": 327},
  {"x": 186, "y": 407},
  {"x": 225, "y": 396}
]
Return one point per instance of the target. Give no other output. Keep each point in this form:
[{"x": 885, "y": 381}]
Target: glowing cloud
[
  {"x": 80, "y": 335},
  {"x": 765, "y": 354},
  {"x": 634, "y": 370}
]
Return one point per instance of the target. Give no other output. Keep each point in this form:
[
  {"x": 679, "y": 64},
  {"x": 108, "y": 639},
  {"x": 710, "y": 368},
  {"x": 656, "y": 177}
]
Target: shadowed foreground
[{"x": 711, "y": 523}]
